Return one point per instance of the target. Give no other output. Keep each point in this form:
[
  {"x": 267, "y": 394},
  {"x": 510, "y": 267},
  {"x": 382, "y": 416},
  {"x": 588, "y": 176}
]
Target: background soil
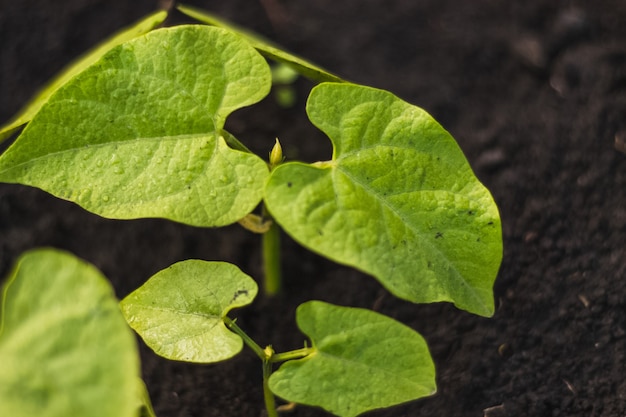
[{"x": 535, "y": 94}]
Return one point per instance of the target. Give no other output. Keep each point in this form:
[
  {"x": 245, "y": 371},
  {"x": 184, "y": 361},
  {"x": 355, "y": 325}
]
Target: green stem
[
  {"x": 271, "y": 238},
  {"x": 268, "y": 395},
  {"x": 266, "y": 356},
  {"x": 292, "y": 354},
  {"x": 271, "y": 260},
  {"x": 260, "y": 352},
  {"x": 269, "y": 357}
]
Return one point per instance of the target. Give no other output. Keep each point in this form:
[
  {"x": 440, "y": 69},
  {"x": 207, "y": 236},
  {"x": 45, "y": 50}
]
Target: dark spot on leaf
[
  {"x": 439, "y": 235},
  {"x": 319, "y": 232},
  {"x": 490, "y": 224},
  {"x": 430, "y": 264},
  {"x": 471, "y": 213},
  {"x": 289, "y": 184},
  {"x": 239, "y": 293}
]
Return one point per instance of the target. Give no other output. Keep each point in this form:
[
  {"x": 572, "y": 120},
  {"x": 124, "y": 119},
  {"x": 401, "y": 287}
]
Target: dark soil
[{"x": 535, "y": 94}]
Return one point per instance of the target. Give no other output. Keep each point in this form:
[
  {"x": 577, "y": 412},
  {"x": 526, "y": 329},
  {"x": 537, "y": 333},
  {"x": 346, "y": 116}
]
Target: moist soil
[{"x": 535, "y": 94}]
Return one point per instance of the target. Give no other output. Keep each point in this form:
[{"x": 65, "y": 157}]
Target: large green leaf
[
  {"x": 139, "y": 134},
  {"x": 361, "y": 360},
  {"x": 65, "y": 349},
  {"x": 265, "y": 47},
  {"x": 398, "y": 200},
  {"x": 32, "y": 107},
  {"x": 180, "y": 311}
]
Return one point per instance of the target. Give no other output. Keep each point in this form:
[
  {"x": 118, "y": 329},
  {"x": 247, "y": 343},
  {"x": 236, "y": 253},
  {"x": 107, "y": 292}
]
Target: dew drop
[
  {"x": 118, "y": 170},
  {"x": 99, "y": 163},
  {"x": 105, "y": 198}
]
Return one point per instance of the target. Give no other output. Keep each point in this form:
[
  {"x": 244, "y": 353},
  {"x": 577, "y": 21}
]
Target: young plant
[
  {"x": 182, "y": 314},
  {"x": 140, "y": 133}
]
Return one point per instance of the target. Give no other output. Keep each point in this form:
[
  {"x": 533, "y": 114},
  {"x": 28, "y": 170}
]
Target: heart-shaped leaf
[
  {"x": 65, "y": 349},
  {"x": 26, "y": 114},
  {"x": 180, "y": 311},
  {"x": 139, "y": 134},
  {"x": 398, "y": 200},
  {"x": 361, "y": 360}
]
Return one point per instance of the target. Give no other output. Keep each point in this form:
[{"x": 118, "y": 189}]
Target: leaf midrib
[
  {"x": 107, "y": 144},
  {"x": 383, "y": 202}
]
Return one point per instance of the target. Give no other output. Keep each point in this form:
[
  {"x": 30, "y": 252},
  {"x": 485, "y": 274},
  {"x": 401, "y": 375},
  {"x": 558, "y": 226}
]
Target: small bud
[
  {"x": 269, "y": 352},
  {"x": 276, "y": 155}
]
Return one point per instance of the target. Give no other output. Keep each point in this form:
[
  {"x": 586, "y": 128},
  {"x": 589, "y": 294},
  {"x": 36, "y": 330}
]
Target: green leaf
[
  {"x": 398, "y": 200},
  {"x": 180, "y": 311},
  {"x": 32, "y": 107},
  {"x": 65, "y": 347},
  {"x": 143, "y": 402},
  {"x": 361, "y": 361},
  {"x": 265, "y": 47},
  {"x": 139, "y": 134}
]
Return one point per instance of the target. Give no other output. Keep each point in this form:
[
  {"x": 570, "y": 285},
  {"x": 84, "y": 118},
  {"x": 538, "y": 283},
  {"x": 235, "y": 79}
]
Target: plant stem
[
  {"x": 269, "y": 357},
  {"x": 292, "y": 354},
  {"x": 266, "y": 356},
  {"x": 271, "y": 238},
  {"x": 268, "y": 395},
  {"x": 271, "y": 260},
  {"x": 246, "y": 339}
]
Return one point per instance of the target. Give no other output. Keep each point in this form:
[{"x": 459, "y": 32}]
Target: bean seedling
[{"x": 139, "y": 131}]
